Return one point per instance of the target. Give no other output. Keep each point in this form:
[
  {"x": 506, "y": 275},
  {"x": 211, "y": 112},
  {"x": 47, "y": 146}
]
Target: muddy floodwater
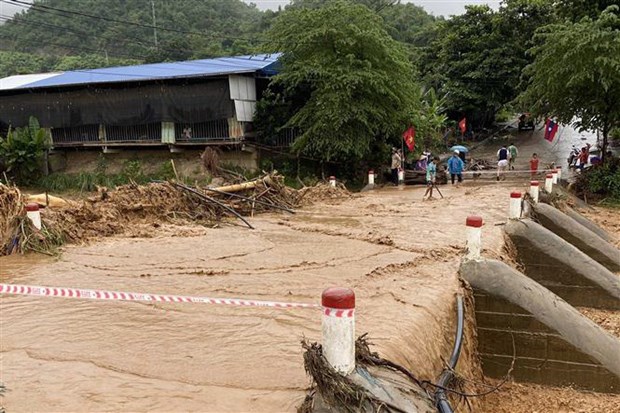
[{"x": 398, "y": 253}]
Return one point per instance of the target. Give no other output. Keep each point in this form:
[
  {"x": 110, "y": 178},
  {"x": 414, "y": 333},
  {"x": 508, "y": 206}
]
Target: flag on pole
[
  {"x": 409, "y": 137},
  {"x": 463, "y": 125},
  {"x": 551, "y": 128}
]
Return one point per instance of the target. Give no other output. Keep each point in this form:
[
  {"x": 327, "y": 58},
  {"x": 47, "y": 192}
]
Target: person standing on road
[
  {"x": 534, "y": 165},
  {"x": 512, "y": 150},
  {"x": 396, "y": 160},
  {"x": 431, "y": 174},
  {"x": 455, "y": 167},
  {"x": 502, "y": 162}
]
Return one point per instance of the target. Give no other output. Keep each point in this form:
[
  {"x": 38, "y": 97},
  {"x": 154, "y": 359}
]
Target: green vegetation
[
  {"x": 22, "y": 150},
  {"x": 132, "y": 172},
  {"x": 576, "y": 73},
  {"x": 56, "y": 34},
  {"x": 601, "y": 182},
  {"x": 359, "y": 80}
]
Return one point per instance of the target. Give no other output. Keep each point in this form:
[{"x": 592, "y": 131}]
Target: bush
[
  {"x": 22, "y": 151},
  {"x": 601, "y": 181}
]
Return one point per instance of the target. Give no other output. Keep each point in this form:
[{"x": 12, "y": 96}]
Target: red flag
[
  {"x": 551, "y": 128},
  {"x": 409, "y": 137},
  {"x": 463, "y": 125}
]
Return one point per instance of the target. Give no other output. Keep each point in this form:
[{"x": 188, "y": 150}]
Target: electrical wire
[{"x": 50, "y": 9}]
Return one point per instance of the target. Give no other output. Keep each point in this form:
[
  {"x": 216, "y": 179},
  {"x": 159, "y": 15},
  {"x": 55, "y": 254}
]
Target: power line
[{"x": 46, "y": 8}]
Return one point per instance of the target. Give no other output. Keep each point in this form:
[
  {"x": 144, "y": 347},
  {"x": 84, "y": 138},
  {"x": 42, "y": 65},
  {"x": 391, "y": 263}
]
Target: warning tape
[
  {"x": 39, "y": 291},
  {"x": 520, "y": 171}
]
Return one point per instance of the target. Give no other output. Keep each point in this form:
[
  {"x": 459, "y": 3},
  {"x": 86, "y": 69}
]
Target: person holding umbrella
[{"x": 455, "y": 167}]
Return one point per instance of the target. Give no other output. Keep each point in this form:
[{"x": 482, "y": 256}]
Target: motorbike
[{"x": 573, "y": 157}]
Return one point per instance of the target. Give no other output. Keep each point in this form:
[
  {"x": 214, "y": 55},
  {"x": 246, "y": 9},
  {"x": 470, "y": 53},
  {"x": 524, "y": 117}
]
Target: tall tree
[
  {"x": 476, "y": 59},
  {"x": 576, "y": 73},
  {"x": 360, "y": 81}
]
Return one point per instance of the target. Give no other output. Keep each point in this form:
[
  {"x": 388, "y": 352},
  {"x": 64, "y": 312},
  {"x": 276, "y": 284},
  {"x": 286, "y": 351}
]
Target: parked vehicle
[{"x": 526, "y": 122}]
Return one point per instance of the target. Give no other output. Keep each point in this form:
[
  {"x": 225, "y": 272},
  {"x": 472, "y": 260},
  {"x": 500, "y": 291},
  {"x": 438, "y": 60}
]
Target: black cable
[{"x": 44, "y": 8}]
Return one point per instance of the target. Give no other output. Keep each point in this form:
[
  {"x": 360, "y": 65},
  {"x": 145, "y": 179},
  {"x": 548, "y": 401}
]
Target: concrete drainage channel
[
  {"x": 527, "y": 323},
  {"x": 529, "y": 316}
]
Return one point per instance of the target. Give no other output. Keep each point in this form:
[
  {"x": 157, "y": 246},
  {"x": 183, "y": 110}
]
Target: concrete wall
[
  {"x": 187, "y": 162},
  {"x": 563, "y": 268},
  {"x": 553, "y": 343}
]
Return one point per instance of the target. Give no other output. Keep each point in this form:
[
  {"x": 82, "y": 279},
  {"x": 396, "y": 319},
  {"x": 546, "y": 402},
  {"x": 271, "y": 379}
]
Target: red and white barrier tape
[
  {"x": 516, "y": 171},
  {"x": 39, "y": 291}
]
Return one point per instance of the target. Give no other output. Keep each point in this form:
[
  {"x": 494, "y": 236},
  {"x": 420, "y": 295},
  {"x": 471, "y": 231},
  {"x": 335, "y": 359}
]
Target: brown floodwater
[{"x": 399, "y": 254}]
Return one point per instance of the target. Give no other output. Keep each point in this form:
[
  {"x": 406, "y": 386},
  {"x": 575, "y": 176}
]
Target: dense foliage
[
  {"x": 360, "y": 80},
  {"x": 21, "y": 151},
  {"x": 576, "y": 73},
  {"x": 102, "y": 32}
]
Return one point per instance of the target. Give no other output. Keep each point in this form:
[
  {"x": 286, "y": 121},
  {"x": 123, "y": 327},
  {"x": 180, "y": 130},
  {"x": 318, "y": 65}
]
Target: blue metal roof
[{"x": 266, "y": 64}]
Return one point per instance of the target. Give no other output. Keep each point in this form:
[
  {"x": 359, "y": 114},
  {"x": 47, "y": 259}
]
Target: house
[{"x": 167, "y": 105}]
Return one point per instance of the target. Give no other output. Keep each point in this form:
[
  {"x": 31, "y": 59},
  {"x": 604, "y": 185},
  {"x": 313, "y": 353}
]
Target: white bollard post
[
  {"x": 339, "y": 328},
  {"x": 401, "y": 176},
  {"x": 559, "y": 169},
  {"x": 474, "y": 241},
  {"x": 32, "y": 212},
  {"x": 371, "y": 177},
  {"x": 554, "y": 175},
  {"x": 332, "y": 181},
  {"x": 549, "y": 183},
  {"x": 515, "y": 205},
  {"x": 534, "y": 190}
]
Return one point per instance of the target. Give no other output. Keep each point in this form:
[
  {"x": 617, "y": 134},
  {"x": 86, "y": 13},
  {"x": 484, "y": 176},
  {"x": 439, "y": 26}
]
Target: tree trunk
[{"x": 605, "y": 143}]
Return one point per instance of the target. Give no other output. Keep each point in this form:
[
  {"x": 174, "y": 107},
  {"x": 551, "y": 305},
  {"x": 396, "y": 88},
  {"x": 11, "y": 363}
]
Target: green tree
[
  {"x": 576, "y": 73},
  {"x": 21, "y": 151},
  {"x": 476, "y": 59},
  {"x": 360, "y": 80},
  {"x": 16, "y": 63}
]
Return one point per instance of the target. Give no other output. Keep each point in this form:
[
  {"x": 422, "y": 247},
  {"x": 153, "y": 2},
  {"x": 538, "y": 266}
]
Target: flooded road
[{"x": 400, "y": 254}]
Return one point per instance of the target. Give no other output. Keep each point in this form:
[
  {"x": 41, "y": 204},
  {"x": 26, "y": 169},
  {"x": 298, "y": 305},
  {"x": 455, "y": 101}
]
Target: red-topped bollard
[
  {"x": 559, "y": 169},
  {"x": 515, "y": 205},
  {"x": 534, "y": 190},
  {"x": 549, "y": 183},
  {"x": 32, "y": 212},
  {"x": 554, "y": 176},
  {"x": 339, "y": 328},
  {"x": 474, "y": 237},
  {"x": 332, "y": 181}
]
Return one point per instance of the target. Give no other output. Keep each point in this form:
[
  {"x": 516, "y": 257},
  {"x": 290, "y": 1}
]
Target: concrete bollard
[
  {"x": 32, "y": 212},
  {"x": 549, "y": 183},
  {"x": 339, "y": 328},
  {"x": 534, "y": 190},
  {"x": 554, "y": 176},
  {"x": 474, "y": 237},
  {"x": 559, "y": 169},
  {"x": 332, "y": 181},
  {"x": 515, "y": 205},
  {"x": 401, "y": 176},
  {"x": 371, "y": 177}
]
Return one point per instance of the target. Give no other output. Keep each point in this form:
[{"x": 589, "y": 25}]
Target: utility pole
[{"x": 154, "y": 23}]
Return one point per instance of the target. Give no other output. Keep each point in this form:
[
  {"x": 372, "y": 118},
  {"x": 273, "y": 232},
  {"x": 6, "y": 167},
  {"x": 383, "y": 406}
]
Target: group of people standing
[{"x": 506, "y": 158}]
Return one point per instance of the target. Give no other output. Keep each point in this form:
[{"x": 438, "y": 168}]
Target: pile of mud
[{"x": 323, "y": 193}]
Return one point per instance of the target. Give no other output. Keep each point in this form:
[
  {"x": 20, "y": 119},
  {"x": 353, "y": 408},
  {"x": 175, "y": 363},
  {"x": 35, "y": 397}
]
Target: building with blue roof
[{"x": 191, "y": 103}]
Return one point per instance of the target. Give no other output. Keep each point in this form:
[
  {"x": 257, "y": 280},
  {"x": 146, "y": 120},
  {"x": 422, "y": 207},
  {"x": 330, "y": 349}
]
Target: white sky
[{"x": 436, "y": 7}]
